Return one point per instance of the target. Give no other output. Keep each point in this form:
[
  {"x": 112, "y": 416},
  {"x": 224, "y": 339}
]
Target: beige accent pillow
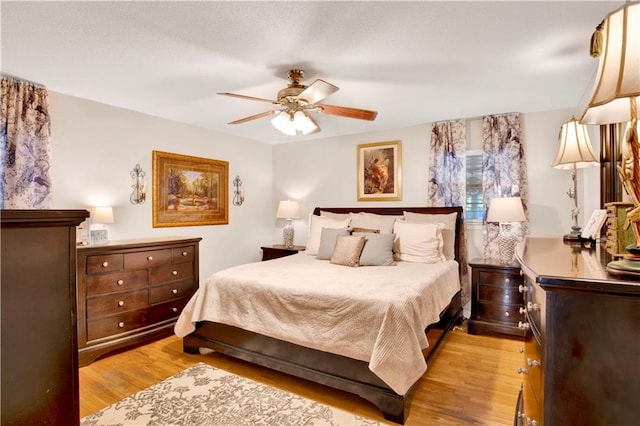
[
  {"x": 348, "y": 250},
  {"x": 418, "y": 242},
  {"x": 374, "y": 221},
  {"x": 315, "y": 231},
  {"x": 448, "y": 231}
]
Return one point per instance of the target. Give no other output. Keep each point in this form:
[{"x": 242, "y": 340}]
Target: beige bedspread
[{"x": 374, "y": 314}]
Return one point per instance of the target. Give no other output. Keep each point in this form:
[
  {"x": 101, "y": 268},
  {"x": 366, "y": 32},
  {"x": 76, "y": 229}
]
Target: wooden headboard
[{"x": 399, "y": 211}]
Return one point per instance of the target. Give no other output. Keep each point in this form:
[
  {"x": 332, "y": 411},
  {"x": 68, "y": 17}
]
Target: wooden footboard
[{"x": 325, "y": 368}]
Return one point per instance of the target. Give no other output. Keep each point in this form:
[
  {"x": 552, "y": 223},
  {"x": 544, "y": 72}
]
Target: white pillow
[
  {"x": 418, "y": 242},
  {"x": 448, "y": 231},
  {"x": 315, "y": 231},
  {"x": 336, "y": 216},
  {"x": 382, "y": 222}
]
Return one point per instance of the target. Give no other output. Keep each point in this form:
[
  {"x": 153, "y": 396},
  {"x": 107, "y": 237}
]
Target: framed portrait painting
[
  {"x": 379, "y": 171},
  {"x": 189, "y": 191}
]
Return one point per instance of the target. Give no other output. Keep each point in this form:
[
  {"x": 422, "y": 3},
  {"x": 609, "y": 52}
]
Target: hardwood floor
[{"x": 472, "y": 380}]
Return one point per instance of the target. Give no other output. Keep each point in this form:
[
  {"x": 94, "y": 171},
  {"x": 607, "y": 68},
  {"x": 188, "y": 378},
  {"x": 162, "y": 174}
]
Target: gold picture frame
[
  {"x": 189, "y": 191},
  {"x": 380, "y": 171}
]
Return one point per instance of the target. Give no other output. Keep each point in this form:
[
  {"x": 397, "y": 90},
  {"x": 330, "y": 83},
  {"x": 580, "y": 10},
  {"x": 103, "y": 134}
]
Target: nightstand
[
  {"x": 279, "y": 250},
  {"x": 497, "y": 305}
]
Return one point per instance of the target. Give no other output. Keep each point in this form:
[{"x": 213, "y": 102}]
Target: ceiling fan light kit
[{"x": 296, "y": 101}]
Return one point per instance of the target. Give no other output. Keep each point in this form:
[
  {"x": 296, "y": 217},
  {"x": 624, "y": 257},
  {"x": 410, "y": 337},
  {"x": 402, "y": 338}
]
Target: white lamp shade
[
  {"x": 507, "y": 209},
  {"x": 288, "y": 210},
  {"x": 103, "y": 215},
  {"x": 575, "y": 147},
  {"x": 618, "y": 77}
]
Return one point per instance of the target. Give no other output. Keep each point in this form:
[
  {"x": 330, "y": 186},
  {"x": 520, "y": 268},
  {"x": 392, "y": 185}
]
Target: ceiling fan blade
[
  {"x": 361, "y": 114},
  {"x": 250, "y": 98},
  {"x": 317, "y": 129},
  {"x": 254, "y": 117},
  {"x": 317, "y": 91}
]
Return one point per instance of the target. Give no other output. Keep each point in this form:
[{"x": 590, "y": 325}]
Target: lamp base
[
  {"x": 288, "y": 234},
  {"x": 506, "y": 243},
  {"x": 629, "y": 267},
  {"x": 575, "y": 236}
]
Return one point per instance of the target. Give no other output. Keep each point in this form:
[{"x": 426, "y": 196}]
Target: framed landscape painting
[
  {"x": 379, "y": 171},
  {"x": 189, "y": 191}
]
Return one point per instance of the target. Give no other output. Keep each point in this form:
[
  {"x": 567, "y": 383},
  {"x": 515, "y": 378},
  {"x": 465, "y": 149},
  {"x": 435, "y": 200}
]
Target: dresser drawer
[
  {"x": 183, "y": 254},
  {"x": 170, "y": 291},
  {"x": 534, "y": 364},
  {"x": 119, "y": 281},
  {"x": 505, "y": 295},
  {"x": 502, "y": 313},
  {"x": 146, "y": 259},
  {"x": 499, "y": 278},
  {"x": 104, "y": 263},
  {"x": 168, "y": 273},
  {"x": 110, "y": 326},
  {"x": 167, "y": 310},
  {"x": 117, "y": 303}
]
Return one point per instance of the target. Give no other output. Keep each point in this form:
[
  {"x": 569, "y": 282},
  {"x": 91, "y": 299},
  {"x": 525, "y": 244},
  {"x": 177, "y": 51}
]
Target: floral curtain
[
  {"x": 447, "y": 180},
  {"x": 25, "y": 153},
  {"x": 504, "y": 173}
]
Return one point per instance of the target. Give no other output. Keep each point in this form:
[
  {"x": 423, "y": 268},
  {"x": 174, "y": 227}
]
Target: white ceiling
[{"x": 413, "y": 62}]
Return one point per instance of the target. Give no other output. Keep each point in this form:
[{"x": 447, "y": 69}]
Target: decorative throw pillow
[
  {"x": 328, "y": 241},
  {"x": 378, "y": 249},
  {"x": 348, "y": 250},
  {"x": 448, "y": 231},
  {"x": 374, "y": 221},
  {"x": 418, "y": 242},
  {"x": 315, "y": 231}
]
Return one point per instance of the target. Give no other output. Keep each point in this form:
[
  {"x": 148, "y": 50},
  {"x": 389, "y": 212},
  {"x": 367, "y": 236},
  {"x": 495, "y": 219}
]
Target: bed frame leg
[
  {"x": 189, "y": 347},
  {"x": 391, "y": 405}
]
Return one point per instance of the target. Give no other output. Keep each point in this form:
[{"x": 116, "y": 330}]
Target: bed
[{"x": 231, "y": 314}]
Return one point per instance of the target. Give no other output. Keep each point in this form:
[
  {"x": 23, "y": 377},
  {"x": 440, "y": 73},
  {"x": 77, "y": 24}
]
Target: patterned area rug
[{"x": 204, "y": 395}]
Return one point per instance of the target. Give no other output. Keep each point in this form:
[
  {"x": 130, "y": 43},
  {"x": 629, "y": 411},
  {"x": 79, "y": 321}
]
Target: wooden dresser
[
  {"x": 581, "y": 361},
  {"x": 131, "y": 292},
  {"x": 496, "y": 304},
  {"x": 39, "y": 343}
]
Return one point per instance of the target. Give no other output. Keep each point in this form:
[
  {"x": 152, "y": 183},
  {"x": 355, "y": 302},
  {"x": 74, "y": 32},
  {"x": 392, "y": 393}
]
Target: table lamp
[
  {"x": 505, "y": 211},
  {"x": 288, "y": 210},
  {"x": 98, "y": 231}
]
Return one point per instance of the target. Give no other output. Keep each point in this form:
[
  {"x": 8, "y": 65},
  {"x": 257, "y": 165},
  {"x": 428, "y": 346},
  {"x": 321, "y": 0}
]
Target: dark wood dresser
[
  {"x": 581, "y": 361},
  {"x": 39, "y": 344},
  {"x": 497, "y": 306},
  {"x": 131, "y": 292}
]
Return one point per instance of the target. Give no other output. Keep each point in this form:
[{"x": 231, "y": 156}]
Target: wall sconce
[
  {"x": 139, "y": 193},
  {"x": 238, "y": 193}
]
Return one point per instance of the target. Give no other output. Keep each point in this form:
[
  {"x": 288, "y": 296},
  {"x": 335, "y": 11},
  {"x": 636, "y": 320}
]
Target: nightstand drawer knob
[
  {"x": 174, "y": 309},
  {"x": 121, "y": 324},
  {"x": 149, "y": 258},
  {"x": 174, "y": 273},
  {"x": 184, "y": 253},
  {"x": 174, "y": 291},
  {"x": 522, "y": 288},
  {"x": 120, "y": 282},
  {"x": 105, "y": 264},
  {"x": 121, "y": 303}
]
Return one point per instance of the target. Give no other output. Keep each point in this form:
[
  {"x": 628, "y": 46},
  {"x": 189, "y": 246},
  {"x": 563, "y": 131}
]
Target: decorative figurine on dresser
[
  {"x": 132, "y": 292},
  {"x": 496, "y": 304}
]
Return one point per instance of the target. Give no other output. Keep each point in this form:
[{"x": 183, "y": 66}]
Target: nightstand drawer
[
  {"x": 499, "y": 279},
  {"x": 502, "y": 313},
  {"x": 506, "y": 295},
  {"x": 117, "y": 303}
]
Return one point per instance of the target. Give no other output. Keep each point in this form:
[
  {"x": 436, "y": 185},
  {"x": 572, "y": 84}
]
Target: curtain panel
[
  {"x": 447, "y": 180},
  {"x": 25, "y": 153},
  {"x": 504, "y": 173}
]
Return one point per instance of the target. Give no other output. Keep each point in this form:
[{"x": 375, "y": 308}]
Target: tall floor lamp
[
  {"x": 575, "y": 152},
  {"x": 616, "y": 99}
]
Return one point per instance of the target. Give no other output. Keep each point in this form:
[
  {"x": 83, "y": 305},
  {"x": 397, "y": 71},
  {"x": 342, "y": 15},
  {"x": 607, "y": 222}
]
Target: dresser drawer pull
[
  {"x": 506, "y": 314},
  {"x": 531, "y": 422},
  {"x": 174, "y": 273},
  {"x": 121, "y": 324},
  {"x": 507, "y": 297},
  {"x": 174, "y": 290},
  {"x": 507, "y": 280},
  {"x": 523, "y": 325},
  {"x": 174, "y": 309},
  {"x": 533, "y": 306},
  {"x": 522, "y": 288},
  {"x": 533, "y": 362},
  {"x": 120, "y": 282},
  {"x": 121, "y": 303},
  {"x": 521, "y": 370},
  {"x": 105, "y": 264},
  {"x": 522, "y": 310},
  {"x": 149, "y": 258},
  {"x": 521, "y": 349},
  {"x": 184, "y": 253}
]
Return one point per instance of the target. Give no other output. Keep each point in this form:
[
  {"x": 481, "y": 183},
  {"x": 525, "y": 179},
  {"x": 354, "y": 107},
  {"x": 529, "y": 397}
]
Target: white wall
[
  {"x": 323, "y": 173},
  {"x": 95, "y": 147}
]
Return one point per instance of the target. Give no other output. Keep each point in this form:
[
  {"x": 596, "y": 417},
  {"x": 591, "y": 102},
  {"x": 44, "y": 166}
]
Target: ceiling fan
[{"x": 296, "y": 101}]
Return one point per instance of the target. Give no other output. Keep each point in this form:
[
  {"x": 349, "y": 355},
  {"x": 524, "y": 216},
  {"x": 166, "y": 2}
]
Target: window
[{"x": 474, "y": 206}]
